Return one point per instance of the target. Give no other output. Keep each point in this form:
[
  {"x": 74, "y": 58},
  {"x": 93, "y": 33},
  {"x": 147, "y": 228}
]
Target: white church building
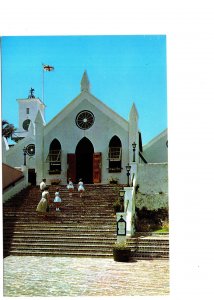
[{"x": 87, "y": 140}]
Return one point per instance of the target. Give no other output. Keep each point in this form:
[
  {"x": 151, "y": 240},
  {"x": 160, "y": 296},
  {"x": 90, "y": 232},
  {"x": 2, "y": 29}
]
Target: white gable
[{"x": 83, "y": 101}]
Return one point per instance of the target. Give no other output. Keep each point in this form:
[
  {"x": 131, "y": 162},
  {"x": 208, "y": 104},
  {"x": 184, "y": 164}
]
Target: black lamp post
[
  {"x": 128, "y": 168},
  {"x": 134, "y": 148},
  {"x": 25, "y": 153}
]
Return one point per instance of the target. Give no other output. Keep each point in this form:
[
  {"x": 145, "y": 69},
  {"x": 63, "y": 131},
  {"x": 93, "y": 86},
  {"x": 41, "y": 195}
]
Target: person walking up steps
[
  {"x": 42, "y": 185},
  {"x": 81, "y": 188},
  {"x": 70, "y": 187},
  {"x": 57, "y": 200},
  {"x": 43, "y": 205}
]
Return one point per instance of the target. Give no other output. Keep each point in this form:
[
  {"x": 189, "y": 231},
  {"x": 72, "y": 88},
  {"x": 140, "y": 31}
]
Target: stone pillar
[
  {"x": 39, "y": 144},
  {"x": 129, "y": 201},
  {"x": 133, "y": 133},
  {"x": 128, "y": 207}
]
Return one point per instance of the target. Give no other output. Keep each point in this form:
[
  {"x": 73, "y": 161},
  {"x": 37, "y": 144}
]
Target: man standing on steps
[{"x": 43, "y": 184}]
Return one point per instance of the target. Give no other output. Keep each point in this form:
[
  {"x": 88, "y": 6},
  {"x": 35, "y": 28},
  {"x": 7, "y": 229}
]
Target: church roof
[{"x": 156, "y": 139}]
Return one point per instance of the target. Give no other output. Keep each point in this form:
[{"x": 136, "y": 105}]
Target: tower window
[
  {"x": 27, "y": 110},
  {"x": 26, "y": 124}
]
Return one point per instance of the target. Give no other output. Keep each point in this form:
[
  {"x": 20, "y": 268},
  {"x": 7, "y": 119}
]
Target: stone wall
[
  {"x": 153, "y": 186},
  {"x": 151, "y": 197}
]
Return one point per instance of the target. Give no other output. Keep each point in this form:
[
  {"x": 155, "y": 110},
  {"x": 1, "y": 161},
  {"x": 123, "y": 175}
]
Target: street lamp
[
  {"x": 134, "y": 148},
  {"x": 25, "y": 153},
  {"x": 128, "y": 168}
]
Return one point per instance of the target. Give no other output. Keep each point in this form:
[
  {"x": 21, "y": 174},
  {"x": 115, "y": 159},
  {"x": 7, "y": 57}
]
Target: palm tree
[{"x": 7, "y": 129}]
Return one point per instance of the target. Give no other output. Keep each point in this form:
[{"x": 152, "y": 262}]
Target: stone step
[
  {"x": 79, "y": 229},
  {"x": 87, "y": 251},
  {"x": 151, "y": 255},
  {"x": 66, "y": 230},
  {"x": 84, "y": 227},
  {"x": 87, "y": 245},
  {"x": 65, "y": 221},
  {"x": 44, "y": 245},
  {"x": 59, "y": 253},
  {"x": 75, "y": 239},
  {"x": 62, "y": 214},
  {"x": 132, "y": 241},
  {"x": 45, "y": 234}
]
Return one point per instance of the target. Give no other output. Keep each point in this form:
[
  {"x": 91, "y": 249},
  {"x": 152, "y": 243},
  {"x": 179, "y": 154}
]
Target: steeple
[
  {"x": 133, "y": 113},
  {"x": 85, "y": 84}
]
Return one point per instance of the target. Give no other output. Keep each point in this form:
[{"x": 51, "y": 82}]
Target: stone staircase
[{"x": 84, "y": 227}]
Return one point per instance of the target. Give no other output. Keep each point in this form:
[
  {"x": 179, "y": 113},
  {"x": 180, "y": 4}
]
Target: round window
[
  {"x": 30, "y": 149},
  {"x": 26, "y": 124},
  {"x": 85, "y": 119}
]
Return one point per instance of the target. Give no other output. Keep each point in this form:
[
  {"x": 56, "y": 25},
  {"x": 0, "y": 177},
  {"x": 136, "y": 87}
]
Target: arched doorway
[{"x": 84, "y": 160}]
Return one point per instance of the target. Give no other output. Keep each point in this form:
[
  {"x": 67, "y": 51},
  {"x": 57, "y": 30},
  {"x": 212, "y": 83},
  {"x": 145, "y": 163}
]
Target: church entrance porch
[{"x": 84, "y": 163}]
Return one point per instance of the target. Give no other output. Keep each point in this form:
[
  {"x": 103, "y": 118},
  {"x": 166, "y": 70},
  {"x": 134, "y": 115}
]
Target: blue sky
[{"x": 121, "y": 70}]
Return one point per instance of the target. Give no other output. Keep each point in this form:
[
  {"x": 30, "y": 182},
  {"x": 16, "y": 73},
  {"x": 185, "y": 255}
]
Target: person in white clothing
[
  {"x": 81, "y": 188},
  {"x": 43, "y": 205},
  {"x": 57, "y": 200},
  {"x": 42, "y": 184},
  {"x": 70, "y": 187}
]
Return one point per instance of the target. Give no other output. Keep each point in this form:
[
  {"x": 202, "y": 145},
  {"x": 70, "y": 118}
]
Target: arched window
[
  {"x": 115, "y": 155},
  {"x": 54, "y": 157}
]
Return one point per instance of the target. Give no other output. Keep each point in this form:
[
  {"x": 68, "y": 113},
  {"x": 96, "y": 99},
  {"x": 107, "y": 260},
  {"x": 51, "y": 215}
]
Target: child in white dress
[
  {"x": 81, "y": 188},
  {"x": 57, "y": 200},
  {"x": 70, "y": 187}
]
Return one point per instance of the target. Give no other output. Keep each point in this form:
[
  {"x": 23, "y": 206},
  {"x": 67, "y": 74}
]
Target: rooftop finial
[
  {"x": 85, "y": 84},
  {"x": 31, "y": 95}
]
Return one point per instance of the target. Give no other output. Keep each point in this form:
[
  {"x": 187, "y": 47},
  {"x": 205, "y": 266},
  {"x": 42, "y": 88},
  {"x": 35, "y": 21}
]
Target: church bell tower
[{"x": 28, "y": 109}]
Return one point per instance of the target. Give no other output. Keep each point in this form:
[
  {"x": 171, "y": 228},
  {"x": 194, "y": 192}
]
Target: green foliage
[
  {"x": 151, "y": 220},
  {"x": 7, "y": 129},
  {"x": 121, "y": 246}
]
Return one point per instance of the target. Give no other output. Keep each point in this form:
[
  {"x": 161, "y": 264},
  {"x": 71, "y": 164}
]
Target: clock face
[
  {"x": 30, "y": 149},
  {"x": 85, "y": 119},
  {"x": 26, "y": 124}
]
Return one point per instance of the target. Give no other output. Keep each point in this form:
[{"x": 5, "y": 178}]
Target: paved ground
[{"x": 65, "y": 276}]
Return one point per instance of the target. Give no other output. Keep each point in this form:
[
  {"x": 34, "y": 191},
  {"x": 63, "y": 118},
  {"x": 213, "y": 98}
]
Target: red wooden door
[
  {"x": 71, "y": 172},
  {"x": 97, "y": 167}
]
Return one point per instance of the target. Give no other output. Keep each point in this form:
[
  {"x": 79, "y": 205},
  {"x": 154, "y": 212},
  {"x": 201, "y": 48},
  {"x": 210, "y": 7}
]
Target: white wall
[
  {"x": 34, "y": 104},
  {"x": 5, "y": 148},
  {"x": 15, "y": 156},
  {"x": 20, "y": 185}
]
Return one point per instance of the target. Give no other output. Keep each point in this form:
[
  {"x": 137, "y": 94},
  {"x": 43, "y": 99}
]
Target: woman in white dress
[
  {"x": 57, "y": 200},
  {"x": 43, "y": 205},
  {"x": 81, "y": 188},
  {"x": 70, "y": 187}
]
